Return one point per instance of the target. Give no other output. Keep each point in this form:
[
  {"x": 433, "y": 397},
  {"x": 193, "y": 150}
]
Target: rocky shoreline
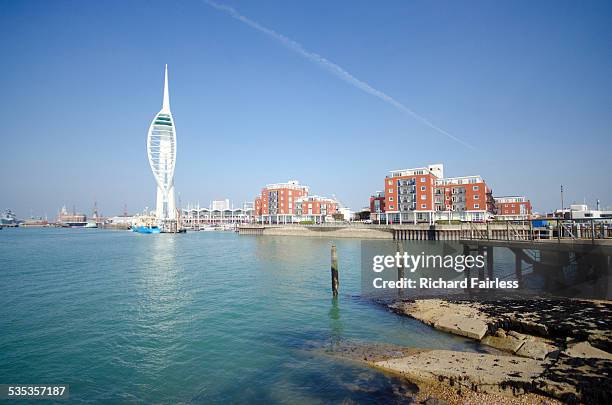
[{"x": 537, "y": 350}]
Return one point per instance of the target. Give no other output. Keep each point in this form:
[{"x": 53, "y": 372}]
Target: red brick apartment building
[
  {"x": 466, "y": 198},
  {"x": 315, "y": 208},
  {"x": 513, "y": 208},
  {"x": 377, "y": 206},
  {"x": 424, "y": 195},
  {"x": 289, "y": 202}
]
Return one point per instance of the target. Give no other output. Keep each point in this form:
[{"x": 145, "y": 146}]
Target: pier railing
[{"x": 549, "y": 229}]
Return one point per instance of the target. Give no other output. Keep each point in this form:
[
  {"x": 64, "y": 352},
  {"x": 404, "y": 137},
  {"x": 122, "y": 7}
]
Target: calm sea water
[{"x": 195, "y": 318}]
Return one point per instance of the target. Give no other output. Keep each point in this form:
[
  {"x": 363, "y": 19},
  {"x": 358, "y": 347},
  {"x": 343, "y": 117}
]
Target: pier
[{"x": 571, "y": 255}]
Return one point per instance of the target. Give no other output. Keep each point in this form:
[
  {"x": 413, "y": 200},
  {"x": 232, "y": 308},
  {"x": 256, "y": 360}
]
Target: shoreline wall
[
  {"x": 328, "y": 232},
  {"x": 401, "y": 232}
]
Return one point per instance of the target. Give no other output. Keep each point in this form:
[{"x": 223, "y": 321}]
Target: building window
[
  {"x": 423, "y": 179},
  {"x": 423, "y": 197},
  {"x": 476, "y": 196},
  {"x": 390, "y": 198},
  {"x": 390, "y": 182},
  {"x": 390, "y": 191},
  {"x": 476, "y": 206},
  {"x": 423, "y": 205},
  {"x": 390, "y": 207},
  {"x": 475, "y": 188},
  {"x": 423, "y": 188}
]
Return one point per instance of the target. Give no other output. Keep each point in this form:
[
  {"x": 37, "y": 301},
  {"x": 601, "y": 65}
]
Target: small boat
[
  {"x": 145, "y": 224},
  {"x": 146, "y": 229}
]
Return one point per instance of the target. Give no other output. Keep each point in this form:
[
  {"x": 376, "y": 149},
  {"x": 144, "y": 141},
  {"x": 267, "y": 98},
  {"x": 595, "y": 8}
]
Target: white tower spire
[
  {"x": 161, "y": 150},
  {"x": 166, "y": 103}
]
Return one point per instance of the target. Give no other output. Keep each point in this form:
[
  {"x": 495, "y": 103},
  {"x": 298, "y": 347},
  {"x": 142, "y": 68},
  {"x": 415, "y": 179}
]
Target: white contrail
[{"x": 332, "y": 67}]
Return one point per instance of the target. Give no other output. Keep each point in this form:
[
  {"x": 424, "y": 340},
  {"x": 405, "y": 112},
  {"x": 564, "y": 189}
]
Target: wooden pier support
[
  {"x": 481, "y": 270},
  {"x": 490, "y": 262},
  {"x": 334, "y": 271},
  {"x": 400, "y": 268},
  {"x": 518, "y": 268},
  {"x": 466, "y": 252}
]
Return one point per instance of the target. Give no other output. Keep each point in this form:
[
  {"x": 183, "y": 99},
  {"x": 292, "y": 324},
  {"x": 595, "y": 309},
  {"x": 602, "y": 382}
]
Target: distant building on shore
[
  {"x": 198, "y": 217},
  {"x": 582, "y": 211},
  {"x": 73, "y": 219},
  {"x": 466, "y": 198},
  {"x": 313, "y": 208},
  {"x": 513, "y": 208},
  {"x": 377, "y": 206},
  {"x": 290, "y": 202},
  {"x": 423, "y": 194},
  {"x": 346, "y": 213},
  {"x": 276, "y": 202}
]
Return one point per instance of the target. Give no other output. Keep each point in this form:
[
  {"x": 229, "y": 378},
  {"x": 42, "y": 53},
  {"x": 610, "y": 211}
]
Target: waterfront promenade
[{"x": 496, "y": 231}]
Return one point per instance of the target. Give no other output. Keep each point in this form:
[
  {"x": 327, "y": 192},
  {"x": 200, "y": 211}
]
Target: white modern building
[
  {"x": 196, "y": 217},
  {"x": 582, "y": 211},
  {"x": 346, "y": 212},
  {"x": 161, "y": 150}
]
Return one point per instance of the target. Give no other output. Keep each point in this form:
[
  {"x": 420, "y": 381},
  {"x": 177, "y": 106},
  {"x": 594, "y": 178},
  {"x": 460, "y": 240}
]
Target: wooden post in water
[{"x": 334, "y": 270}]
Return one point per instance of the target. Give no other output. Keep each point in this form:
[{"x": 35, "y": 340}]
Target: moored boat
[
  {"x": 8, "y": 219},
  {"x": 145, "y": 224},
  {"x": 35, "y": 223},
  {"x": 146, "y": 229}
]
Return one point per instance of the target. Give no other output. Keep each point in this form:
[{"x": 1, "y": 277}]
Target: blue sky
[{"x": 528, "y": 84}]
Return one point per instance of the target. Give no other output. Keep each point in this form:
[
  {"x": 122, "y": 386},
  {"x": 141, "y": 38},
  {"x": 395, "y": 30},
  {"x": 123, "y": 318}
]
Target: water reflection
[
  {"x": 336, "y": 326},
  {"x": 162, "y": 297}
]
